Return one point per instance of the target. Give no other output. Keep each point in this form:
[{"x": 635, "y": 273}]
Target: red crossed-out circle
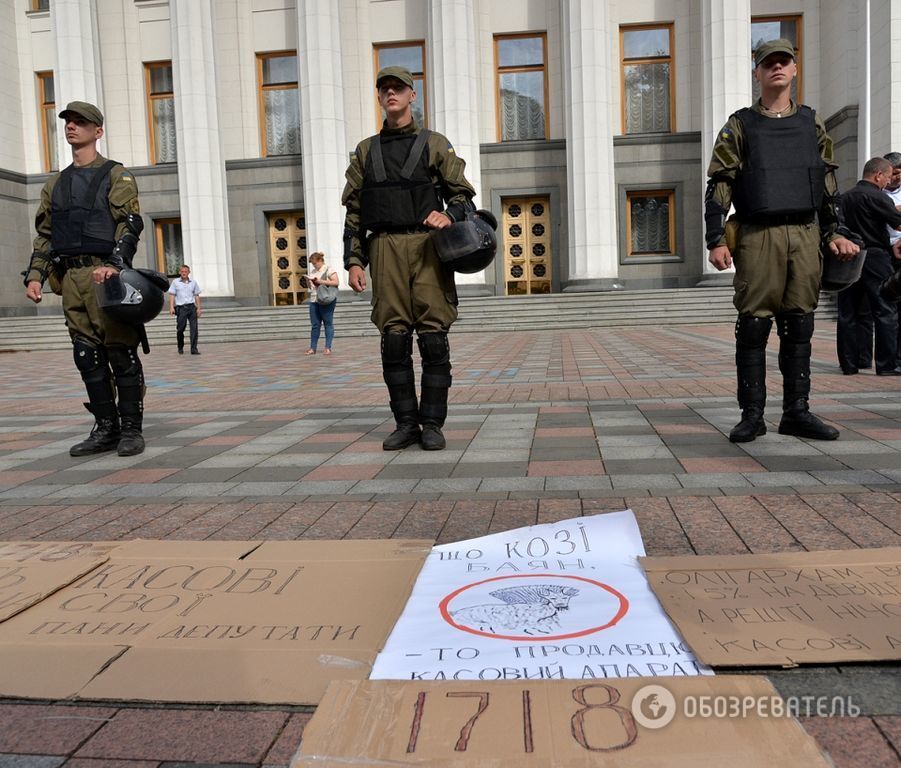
[{"x": 621, "y": 611}]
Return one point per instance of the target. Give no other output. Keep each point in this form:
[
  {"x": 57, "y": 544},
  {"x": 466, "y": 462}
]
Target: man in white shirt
[{"x": 184, "y": 303}]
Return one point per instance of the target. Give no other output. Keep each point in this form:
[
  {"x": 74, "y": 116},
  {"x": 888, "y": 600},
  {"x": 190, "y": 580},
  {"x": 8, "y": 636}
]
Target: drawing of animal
[{"x": 532, "y": 610}]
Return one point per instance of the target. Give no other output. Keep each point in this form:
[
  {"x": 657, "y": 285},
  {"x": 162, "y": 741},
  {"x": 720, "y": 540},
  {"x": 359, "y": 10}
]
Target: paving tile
[
  {"x": 851, "y": 742},
  {"x": 566, "y": 468},
  {"x": 288, "y": 740},
  {"x": 30, "y": 761},
  {"x": 186, "y": 735},
  {"x": 48, "y": 730}
]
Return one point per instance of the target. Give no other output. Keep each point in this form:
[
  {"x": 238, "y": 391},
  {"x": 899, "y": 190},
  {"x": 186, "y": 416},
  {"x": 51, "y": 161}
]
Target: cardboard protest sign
[
  {"x": 29, "y": 571},
  {"x": 784, "y": 609},
  {"x": 566, "y": 724},
  {"x": 250, "y": 623},
  {"x": 561, "y": 600}
]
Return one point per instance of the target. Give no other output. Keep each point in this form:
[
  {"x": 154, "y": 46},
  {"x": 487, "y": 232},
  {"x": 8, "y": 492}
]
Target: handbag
[{"x": 326, "y": 294}]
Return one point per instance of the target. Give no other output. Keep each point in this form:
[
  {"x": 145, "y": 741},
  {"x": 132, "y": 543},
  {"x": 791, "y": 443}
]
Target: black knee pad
[
  {"x": 794, "y": 327},
  {"x": 435, "y": 349},
  {"x": 90, "y": 359},
  {"x": 126, "y": 366},
  {"x": 397, "y": 349},
  {"x": 752, "y": 331}
]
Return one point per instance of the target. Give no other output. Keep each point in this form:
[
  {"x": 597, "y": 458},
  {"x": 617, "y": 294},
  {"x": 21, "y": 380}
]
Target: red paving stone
[
  {"x": 852, "y": 742},
  {"x": 288, "y": 740},
  {"x": 186, "y": 735},
  {"x": 38, "y": 729}
]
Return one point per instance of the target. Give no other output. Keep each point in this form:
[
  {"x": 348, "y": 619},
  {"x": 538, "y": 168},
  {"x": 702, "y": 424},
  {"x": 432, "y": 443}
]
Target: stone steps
[{"x": 677, "y": 306}]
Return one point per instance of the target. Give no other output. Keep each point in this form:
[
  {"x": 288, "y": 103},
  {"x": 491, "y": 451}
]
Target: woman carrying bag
[{"x": 323, "y": 283}]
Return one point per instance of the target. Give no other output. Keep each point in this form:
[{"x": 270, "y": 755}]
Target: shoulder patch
[
  {"x": 450, "y": 148},
  {"x": 725, "y": 134}
]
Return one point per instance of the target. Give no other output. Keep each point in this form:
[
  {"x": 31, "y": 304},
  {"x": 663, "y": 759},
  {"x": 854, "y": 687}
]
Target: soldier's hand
[
  {"x": 896, "y": 249},
  {"x": 356, "y": 278},
  {"x": 437, "y": 220},
  {"x": 720, "y": 257},
  {"x": 844, "y": 248},
  {"x": 33, "y": 291},
  {"x": 104, "y": 273}
]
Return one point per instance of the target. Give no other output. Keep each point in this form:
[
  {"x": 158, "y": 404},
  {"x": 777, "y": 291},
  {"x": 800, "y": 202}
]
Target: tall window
[
  {"x": 647, "y": 77},
  {"x": 47, "y": 100},
  {"x": 651, "y": 223},
  {"x": 161, "y": 111},
  {"x": 765, "y": 28},
  {"x": 521, "y": 80},
  {"x": 279, "y": 103},
  {"x": 410, "y": 54},
  {"x": 169, "y": 253}
]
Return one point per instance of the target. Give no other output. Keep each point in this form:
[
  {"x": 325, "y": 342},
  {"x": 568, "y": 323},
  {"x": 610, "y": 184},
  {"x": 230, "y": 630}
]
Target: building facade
[{"x": 586, "y": 125}]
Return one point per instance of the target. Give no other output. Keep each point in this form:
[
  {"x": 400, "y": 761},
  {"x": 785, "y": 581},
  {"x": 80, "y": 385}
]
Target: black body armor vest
[
  {"x": 80, "y": 218},
  {"x": 783, "y": 172},
  {"x": 398, "y": 190}
]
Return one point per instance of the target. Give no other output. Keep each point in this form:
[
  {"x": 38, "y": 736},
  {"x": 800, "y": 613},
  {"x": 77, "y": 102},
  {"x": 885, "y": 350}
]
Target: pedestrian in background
[
  {"x": 184, "y": 303},
  {"x": 323, "y": 299},
  {"x": 868, "y": 211}
]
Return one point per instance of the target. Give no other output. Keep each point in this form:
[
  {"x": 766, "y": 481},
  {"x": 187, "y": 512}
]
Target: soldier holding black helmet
[
  {"x": 88, "y": 225},
  {"x": 398, "y": 183},
  {"x": 774, "y": 162}
]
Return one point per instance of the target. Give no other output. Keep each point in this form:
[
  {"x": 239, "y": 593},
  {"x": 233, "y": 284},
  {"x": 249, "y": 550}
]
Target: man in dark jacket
[{"x": 868, "y": 211}]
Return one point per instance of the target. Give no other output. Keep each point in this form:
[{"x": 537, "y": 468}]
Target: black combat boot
[
  {"x": 105, "y": 434},
  {"x": 436, "y": 380},
  {"x": 129, "y": 375},
  {"x": 397, "y": 368},
  {"x": 93, "y": 364},
  {"x": 795, "y": 332},
  {"x": 751, "y": 334},
  {"x": 132, "y": 441}
]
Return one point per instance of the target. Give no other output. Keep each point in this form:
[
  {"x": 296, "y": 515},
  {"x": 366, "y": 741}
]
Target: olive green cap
[
  {"x": 85, "y": 110},
  {"x": 773, "y": 46},
  {"x": 398, "y": 73}
]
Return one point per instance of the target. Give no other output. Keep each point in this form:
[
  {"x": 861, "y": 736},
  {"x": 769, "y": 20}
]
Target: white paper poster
[{"x": 563, "y": 600}]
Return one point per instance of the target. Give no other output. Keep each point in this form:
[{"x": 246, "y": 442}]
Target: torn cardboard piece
[
  {"x": 30, "y": 571},
  {"x": 563, "y": 600},
  {"x": 563, "y": 723},
  {"x": 244, "y": 628},
  {"x": 784, "y": 609}
]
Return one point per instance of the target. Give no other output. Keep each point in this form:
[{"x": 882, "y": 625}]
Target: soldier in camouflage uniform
[
  {"x": 774, "y": 163},
  {"x": 88, "y": 224},
  {"x": 397, "y": 185}
]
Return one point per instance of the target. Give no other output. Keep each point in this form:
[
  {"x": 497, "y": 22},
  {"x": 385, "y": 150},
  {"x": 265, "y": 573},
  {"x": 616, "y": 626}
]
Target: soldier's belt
[
  {"x": 415, "y": 229},
  {"x": 778, "y": 219},
  {"x": 82, "y": 260}
]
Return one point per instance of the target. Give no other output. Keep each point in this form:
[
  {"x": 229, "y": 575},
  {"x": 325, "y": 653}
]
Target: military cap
[
  {"x": 773, "y": 46},
  {"x": 83, "y": 109},
  {"x": 398, "y": 73}
]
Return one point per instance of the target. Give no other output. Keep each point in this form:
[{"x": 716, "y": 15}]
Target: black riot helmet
[
  {"x": 838, "y": 274},
  {"x": 467, "y": 246},
  {"x": 134, "y": 296}
]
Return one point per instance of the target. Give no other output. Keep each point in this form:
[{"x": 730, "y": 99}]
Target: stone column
[
  {"x": 727, "y": 67},
  {"x": 201, "y": 164},
  {"x": 453, "y": 77},
  {"x": 323, "y": 127},
  {"x": 76, "y": 76},
  {"x": 589, "y": 110}
]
